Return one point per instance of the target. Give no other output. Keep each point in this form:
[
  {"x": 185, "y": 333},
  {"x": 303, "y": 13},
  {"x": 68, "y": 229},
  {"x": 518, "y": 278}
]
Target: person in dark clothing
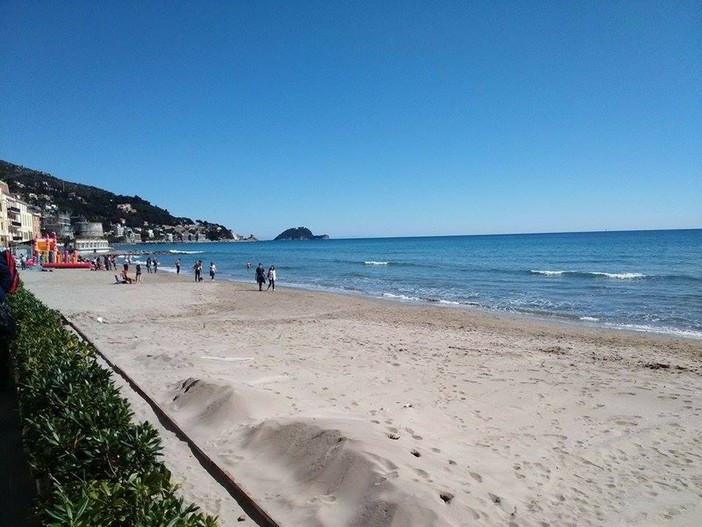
[
  {"x": 260, "y": 276},
  {"x": 7, "y": 325}
]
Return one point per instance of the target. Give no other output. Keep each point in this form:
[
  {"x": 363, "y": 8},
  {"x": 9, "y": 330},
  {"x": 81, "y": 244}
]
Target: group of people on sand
[
  {"x": 107, "y": 262},
  {"x": 198, "y": 270},
  {"x": 262, "y": 276},
  {"x": 124, "y": 278},
  {"x": 151, "y": 262}
]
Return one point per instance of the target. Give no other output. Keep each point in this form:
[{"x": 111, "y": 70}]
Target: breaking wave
[{"x": 591, "y": 274}]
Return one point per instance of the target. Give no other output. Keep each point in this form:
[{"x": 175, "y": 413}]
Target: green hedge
[{"x": 99, "y": 468}]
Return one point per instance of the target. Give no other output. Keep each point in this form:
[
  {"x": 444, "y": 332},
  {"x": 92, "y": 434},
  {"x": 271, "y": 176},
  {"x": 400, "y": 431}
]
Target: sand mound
[
  {"x": 328, "y": 477},
  {"x": 210, "y": 406}
]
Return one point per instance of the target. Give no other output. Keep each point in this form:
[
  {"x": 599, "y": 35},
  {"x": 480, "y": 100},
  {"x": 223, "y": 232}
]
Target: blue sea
[{"x": 649, "y": 281}]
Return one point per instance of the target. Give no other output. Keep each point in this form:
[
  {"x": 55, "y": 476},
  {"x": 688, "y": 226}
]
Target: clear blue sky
[{"x": 386, "y": 118}]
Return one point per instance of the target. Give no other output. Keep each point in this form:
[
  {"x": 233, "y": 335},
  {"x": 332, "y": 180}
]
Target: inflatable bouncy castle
[{"x": 46, "y": 252}]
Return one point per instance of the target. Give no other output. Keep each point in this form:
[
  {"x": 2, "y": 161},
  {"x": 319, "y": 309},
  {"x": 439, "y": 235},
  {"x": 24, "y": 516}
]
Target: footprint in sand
[
  {"x": 422, "y": 473},
  {"x": 494, "y": 498},
  {"x": 446, "y": 496}
]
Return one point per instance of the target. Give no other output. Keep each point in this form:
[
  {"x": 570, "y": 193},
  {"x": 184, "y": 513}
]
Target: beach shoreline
[{"x": 337, "y": 409}]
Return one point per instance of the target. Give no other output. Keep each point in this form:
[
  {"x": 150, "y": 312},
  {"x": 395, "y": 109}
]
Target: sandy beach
[{"x": 343, "y": 411}]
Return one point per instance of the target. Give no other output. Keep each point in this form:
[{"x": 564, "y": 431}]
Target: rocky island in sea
[{"x": 300, "y": 233}]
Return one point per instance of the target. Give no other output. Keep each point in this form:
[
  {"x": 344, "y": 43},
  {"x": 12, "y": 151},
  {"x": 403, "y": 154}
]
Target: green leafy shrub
[{"x": 101, "y": 468}]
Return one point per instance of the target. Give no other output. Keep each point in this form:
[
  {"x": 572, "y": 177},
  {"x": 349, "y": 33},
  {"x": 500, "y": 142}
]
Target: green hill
[{"x": 43, "y": 190}]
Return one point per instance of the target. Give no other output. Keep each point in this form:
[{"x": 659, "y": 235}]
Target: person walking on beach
[
  {"x": 138, "y": 273},
  {"x": 213, "y": 270},
  {"x": 271, "y": 278},
  {"x": 148, "y": 265},
  {"x": 260, "y": 276},
  {"x": 198, "y": 271},
  {"x": 178, "y": 266},
  {"x": 155, "y": 264}
]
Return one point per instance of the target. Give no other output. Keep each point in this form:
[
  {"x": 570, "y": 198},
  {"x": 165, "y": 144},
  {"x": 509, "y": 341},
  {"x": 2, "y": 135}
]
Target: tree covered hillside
[{"x": 50, "y": 193}]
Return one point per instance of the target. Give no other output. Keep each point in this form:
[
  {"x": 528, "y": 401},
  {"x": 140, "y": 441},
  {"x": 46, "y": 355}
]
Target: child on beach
[
  {"x": 213, "y": 270},
  {"x": 138, "y": 273}
]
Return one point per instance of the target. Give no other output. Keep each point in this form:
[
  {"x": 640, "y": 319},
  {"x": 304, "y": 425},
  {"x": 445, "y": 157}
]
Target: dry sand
[{"x": 341, "y": 411}]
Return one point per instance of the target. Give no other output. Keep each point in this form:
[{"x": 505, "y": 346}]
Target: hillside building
[
  {"x": 18, "y": 222},
  {"x": 58, "y": 223}
]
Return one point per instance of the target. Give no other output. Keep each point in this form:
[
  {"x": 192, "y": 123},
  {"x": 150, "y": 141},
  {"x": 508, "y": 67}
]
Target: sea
[{"x": 647, "y": 281}]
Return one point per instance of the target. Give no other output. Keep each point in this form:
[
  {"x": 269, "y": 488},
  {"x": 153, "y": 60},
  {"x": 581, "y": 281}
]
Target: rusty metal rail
[{"x": 246, "y": 502}]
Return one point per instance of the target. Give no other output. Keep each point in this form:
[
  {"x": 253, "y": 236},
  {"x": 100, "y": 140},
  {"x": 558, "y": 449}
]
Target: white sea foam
[
  {"x": 402, "y": 297},
  {"x": 174, "y": 251},
  {"x": 371, "y": 262},
  {"x": 645, "y": 328},
  {"x": 589, "y": 319},
  {"x": 597, "y": 274},
  {"x": 549, "y": 273},
  {"x": 621, "y": 276}
]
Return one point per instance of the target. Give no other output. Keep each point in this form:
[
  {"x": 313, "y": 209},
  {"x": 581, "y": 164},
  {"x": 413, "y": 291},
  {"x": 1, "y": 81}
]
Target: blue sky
[{"x": 366, "y": 118}]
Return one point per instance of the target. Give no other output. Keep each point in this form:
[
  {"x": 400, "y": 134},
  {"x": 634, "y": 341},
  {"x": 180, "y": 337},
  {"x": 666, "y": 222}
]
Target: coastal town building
[
  {"x": 59, "y": 223},
  {"x": 20, "y": 223},
  {"x": 4, "y": 226},
  {"x": 88, "y": 246},
  {"x": 23, "y": 224}
]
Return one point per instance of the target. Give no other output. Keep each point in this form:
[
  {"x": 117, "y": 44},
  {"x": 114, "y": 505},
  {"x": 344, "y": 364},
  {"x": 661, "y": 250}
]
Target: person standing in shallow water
[
  {"x": 260, "y": 276},
  {"x": 213, "y": 270},
  {"x": 271, "y": 277},
  {"x": 178, "y": 266}
]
